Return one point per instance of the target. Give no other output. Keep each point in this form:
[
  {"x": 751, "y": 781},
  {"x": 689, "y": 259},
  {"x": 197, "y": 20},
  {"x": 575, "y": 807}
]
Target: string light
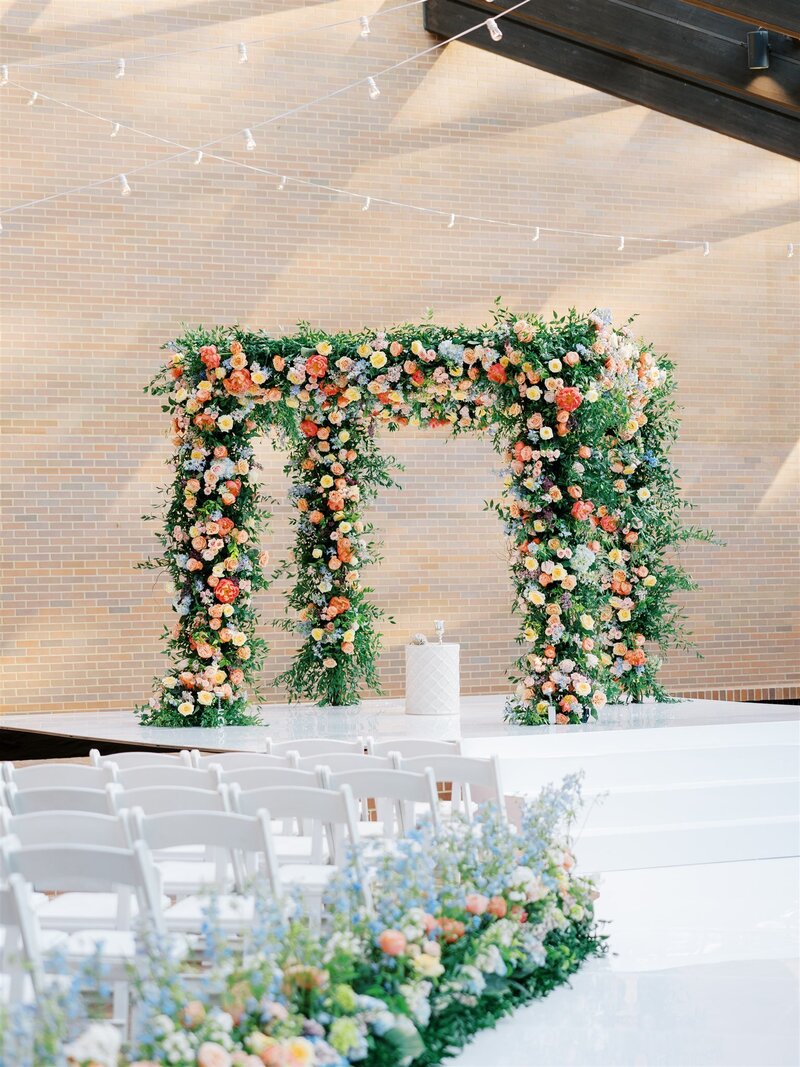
[
  {"x": 34, "y": 97},
  {"x": 198, "y": 158},
  {"x": 621, "y": 244},
  {"x": 495, "y": 32},
  {"x": 242, "y": 52},
  {"x": 452, "y": 222},
  {"x": 4, "y": 74},
  {"x": 249, "y": 140},
  {"x": 374, "y": 91},
  {"x": 706, "y": 248},
  {"x": 282, "y": 184},
  {"x": 790, "y": 251},
  {"x": 115, "y": 129},
  {"x": 367, "y": 202},
  {"x": 536, "y": 234},
  {"x": 120, "y": 69},
  {"x": 364, "y": 22},
  {"x": 124, "y": 188}
]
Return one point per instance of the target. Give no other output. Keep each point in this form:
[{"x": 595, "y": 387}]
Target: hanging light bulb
[
  {"x": 367, "y": 202},
  {"x": 452, "y": 221},
  {"x": 374, "y": 91},
  {"x": 198, "y": 158},
  {"x": 4, "y": 74},
  {"x": 120, "y": 69},
  {"x": 495, "y": 32},
  {"x": 242, "y": 52},
  {"x": 282, "y": 184},
  {"x": 115, "y": 129},
  {"x": 790, "y": 251},
  {"x": 706, "y": 248},
  {"x": 536, "y": 235},
  {"x": 33, "y": 99},
  {"x": 124, "y": 188},
  {"x": 621, "y": 244},
  {"x": 365, "y": 31},
  {"x": 249, "y": 140}
]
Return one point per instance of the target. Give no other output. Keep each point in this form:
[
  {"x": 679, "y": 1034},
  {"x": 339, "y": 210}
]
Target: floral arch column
[{"x": 581, "y": 414}]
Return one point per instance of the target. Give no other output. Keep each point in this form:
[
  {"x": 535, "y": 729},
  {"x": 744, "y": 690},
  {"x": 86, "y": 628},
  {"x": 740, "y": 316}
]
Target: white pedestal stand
[{"x": 433, "y": 681}]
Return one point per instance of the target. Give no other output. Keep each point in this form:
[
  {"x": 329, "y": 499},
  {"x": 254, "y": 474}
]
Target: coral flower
[
  {"x": 308, "y": 428},
  {"x": 568, "y": 398},
  {"x": 209, "y": 356},
  {"x": 338, "y": 605},
  {"x": 581, "y": 510},
  {"x": 497, "y": 906},
  {"x": 336, "y": 502},
  {"x": 497, "y": 373},
  {"x": 226, "y": 591},
  {"x": 238, "y": 382},
  {"x": 317, "y": 365}
]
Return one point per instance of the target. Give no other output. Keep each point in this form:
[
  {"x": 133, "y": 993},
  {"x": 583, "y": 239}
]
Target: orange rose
[
  {"x": 238, "y": 382},
  {"x": 317, "y": 365},
  {"x": 226, "y": 591},
  {"x": 497, "y": 373},
  {"x": 338, "y": 605},
  {"x": 336, "y": 502},
  {"x": 308, "y": 428},
  {"x": 568, "y": 398}
]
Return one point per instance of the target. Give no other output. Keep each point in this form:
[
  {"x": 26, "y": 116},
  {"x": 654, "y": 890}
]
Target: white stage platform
[{"x": 481, "y": 718}]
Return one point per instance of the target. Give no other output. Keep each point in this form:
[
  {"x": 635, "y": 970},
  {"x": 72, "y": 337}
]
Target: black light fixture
[{"x": 758, "y": 50}]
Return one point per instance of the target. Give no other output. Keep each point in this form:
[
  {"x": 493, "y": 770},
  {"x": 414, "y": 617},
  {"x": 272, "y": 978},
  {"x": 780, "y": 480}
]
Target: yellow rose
[
  {"x": 417, "y": 348},
  {"x": 591, "y": 395},
  {"x": 587, "y": 622},
  {"x": 351, "y": 393},
  {"x": 538, "y": 525},
  {"x": 344, "y": 436},
  {"x": 378, "y": 360},
  {"x": 239, "y": 639},
  {"x": 364, "y": 351},
  {"x": 536, "y": 597},
  {"x": 545, "y": 433},
  {"x": 643, "y": 493},
  {"x": 558, "y": 573},
  {"x": 169, "y": 682},
  {"x": 204, "y": 697},
  {"x": 530, "y": 564},
  {"x": 349, "y": 635},
  {"x": 624, "y": 615},
  {"x": 186, "y": 708},
  {"x": 650, "y": 581},
  {"x": 554, "y": 365},
  {"x": 317, "y": 633},
  {"x": 225, "y": 422},
  {"x": 259, "y": 377},
  {"x": 324, "y": 348},
  {"x": 292, "y": 402},
  {"x": 529, "y": 633},
  {"x": 533, "y": 392},
  {"x": 326, "y": 481}
]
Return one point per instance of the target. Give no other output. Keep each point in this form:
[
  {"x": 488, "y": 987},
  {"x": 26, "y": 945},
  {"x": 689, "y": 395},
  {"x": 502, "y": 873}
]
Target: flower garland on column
[{"x": 582, "y": 416}]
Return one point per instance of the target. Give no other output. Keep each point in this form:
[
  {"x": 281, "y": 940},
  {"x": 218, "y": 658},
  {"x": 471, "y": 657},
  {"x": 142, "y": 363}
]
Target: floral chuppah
[{"x": 581, "y": 414}]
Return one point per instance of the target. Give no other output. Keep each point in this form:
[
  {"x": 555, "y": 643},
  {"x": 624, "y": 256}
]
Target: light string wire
[
  {"x": 231, "y": 46},
  {"x": 236, "y": 133}
]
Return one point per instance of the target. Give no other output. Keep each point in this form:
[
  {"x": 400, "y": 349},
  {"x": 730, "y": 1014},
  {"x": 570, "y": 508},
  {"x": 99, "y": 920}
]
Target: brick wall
[{"x": 94, "y": 283}]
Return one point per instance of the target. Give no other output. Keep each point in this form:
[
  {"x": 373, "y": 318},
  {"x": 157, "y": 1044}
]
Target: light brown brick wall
[{"x": 94, "y": 283}]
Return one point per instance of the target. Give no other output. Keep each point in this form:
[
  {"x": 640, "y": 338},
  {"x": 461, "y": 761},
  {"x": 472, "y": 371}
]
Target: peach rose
[
  {"x": 392, "y": 942},
  {"x": 210, "y": 1054},
  {"x": 476, "y": 903}
]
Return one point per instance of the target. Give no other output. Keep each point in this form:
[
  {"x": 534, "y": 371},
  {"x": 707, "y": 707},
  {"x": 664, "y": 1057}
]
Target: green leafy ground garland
[{"x": 582, "y": 416}]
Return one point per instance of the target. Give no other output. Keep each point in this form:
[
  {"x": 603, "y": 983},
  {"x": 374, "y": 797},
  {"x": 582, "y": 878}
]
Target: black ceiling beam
[
  {"x": 780, "y": 16},
  {"x": 648, "y": 52}
]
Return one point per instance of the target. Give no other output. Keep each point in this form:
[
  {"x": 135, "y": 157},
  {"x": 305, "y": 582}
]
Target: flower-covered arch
[{"x": 582, "y": 416}]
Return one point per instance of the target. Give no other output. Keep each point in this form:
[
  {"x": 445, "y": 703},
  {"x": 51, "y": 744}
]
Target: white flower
[
  {"x": 225, "y": 422},
  {"x": 100, "y": 1044}
]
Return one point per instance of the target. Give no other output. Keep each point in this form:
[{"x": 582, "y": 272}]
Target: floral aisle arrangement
[
  {"x": 582, "y": 416},
  {"x": 466, "y": 927}
]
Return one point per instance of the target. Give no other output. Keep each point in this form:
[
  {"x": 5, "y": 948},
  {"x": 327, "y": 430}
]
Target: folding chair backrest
[
  {"x": 179, "y": 775},
  {"x": 25, "y": 801},
  {"x": 154, "y": 800},
  {"x": 401, "y": 789},
  {"x": 83, "y": 868},
  {"x": 473, "y": 778},
  {"x": 248, "y": 778},
  {"x": 52, "y": 775},
  {"x": 333, "y": 810},
  {"x": 345, "y": 761},
  {"x": 229, "y": 761},
  {"x": 315, "y": 746},
  {"x": 144, "y": 758},
  {"x": 67, "y": 828},
  {"x": 408, "y": 747},
  {"x": 240, "y": 836}
]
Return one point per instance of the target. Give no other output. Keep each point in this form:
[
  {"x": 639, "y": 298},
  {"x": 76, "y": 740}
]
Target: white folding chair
[
  {"x": 53, "y": 775},
  {"x": 179, "y": 775},
  {"x": 345, "y": 761},
  {"x": 185, "y": 869},
  {"x": 290, "y": 847},
  {"x": 472, "y": 780},
  {"x": 89, "y": 869},
  {"x": 230, "y": 761},
  {"x": 396, "y": 796},
  {"x": 26, "y": 801},
  {"x": 247, "y": 778},
  {"x": 143, "y": 758},
  {"x": 408, "y": 747},
  {"x": 315, "y": 746},
  {"x": 246, "y": 842},
  {"x": 75, "y": 910},
  {"x": 22, "y": 944},
  {"x": 318, "y": 813}
]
